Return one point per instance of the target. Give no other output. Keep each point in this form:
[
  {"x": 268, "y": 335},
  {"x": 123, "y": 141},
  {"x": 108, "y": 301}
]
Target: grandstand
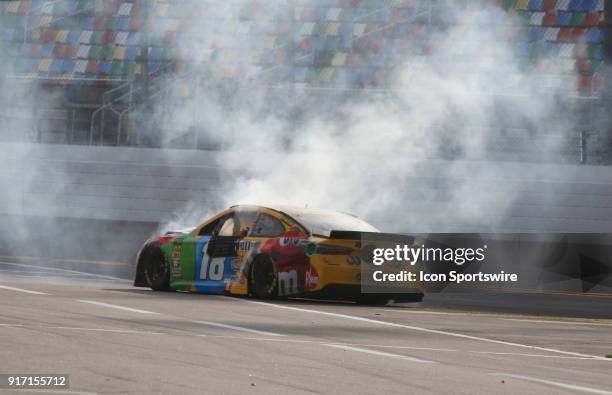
[{"x": 91, "y": 64}]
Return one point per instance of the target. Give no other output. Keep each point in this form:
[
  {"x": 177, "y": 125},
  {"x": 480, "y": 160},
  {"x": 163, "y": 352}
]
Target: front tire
[
  {"x": 263, "y": 282},
  {"x": 156, "y": 272}
]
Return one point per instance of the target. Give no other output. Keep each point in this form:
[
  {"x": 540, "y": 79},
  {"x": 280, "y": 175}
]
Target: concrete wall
[
  {"x": 103, "y": 182},
  {"x": 138, "y": 184}
]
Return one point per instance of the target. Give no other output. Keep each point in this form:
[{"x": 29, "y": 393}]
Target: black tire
[
  {"x": 156, "y": 271},
  {"x": 263, "y": 282}
]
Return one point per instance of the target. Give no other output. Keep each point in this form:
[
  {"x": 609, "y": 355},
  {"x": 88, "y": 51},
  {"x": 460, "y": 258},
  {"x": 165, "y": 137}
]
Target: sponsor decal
[
  {"x": 312, "y": 278},
  {"x": 287, "y": 283},
  {"x": 293, "y": 242},
  {"x": 177, "y": 250},
  {"x": 244, "y": 245},
  {"x": 236, "y": 264}
]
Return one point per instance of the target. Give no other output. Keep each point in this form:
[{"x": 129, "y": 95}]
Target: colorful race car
[{"x": 266, "y": 253}]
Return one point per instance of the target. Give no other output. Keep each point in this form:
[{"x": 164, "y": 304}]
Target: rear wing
[{"x": 371, "y": 236}]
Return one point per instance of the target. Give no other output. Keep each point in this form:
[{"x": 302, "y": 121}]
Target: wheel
[
  {"x": 156, "y": 271},
  {"x": 262, "y": 279}
]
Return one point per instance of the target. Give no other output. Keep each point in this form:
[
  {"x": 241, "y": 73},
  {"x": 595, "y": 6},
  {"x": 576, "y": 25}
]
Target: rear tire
[
  {"x": 263, "y": 282},
  {"x": 156, "y": 272}
]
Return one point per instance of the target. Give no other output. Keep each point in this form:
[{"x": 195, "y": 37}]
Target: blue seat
[
  {"x": 318, "y": 43},
  {"x": 594, "y": 36},
  {"x": 536, "y": 33},
  {"x": 68, "y": 67},
  {"x": 378, "y": 59},
  {"x": 56, "y": 66},
  {"x": 133, "y": 38},
  {"x": 357, "y": 77},
  {"x": 123, "y": 24},
  {"x": 154, "y": 67},
  {"x": 70, "y": 7},
  {"x": 552, "y": 50},
  {"x": 587, "y": 5},
  {"x": 564, "y": 18},
  {"x": 87, "y": 23},
  {"x": 575, "y": 5},
  {"x": 366, "y": 76},
  {"x": 73, "y": 37},
  {"x": 105, "y": 67},
  {"x": 131, "y": 52},
  {"x": 61, "y": 24},
  {"x": 46, "y": 50},
  {"x": 535, "y": 5}
]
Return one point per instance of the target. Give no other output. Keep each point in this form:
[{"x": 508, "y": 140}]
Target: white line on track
[
  {"x": 530, "y": 355},
  {"x": 123, "y": 331},
  {"x": 27, "y": 291},
  {"x": 261, "y": 339},
  {"x": 400, "y": 310},
  {"x": 378, "y": 353},
  {"x": 237, "y": 328},
  {"x": 453, "y": 350},
  {"x": 439, "y": 332},
  {"x": 76, "y": 328},
  {"x": 103, "y": 276},
  {"x": 558, "y": 322},
  {"x": 572, "y": 387},
  {"x": 114, "y": 306}
]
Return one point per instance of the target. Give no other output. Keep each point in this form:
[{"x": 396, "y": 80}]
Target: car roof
[{"x": 291, "y": 210}]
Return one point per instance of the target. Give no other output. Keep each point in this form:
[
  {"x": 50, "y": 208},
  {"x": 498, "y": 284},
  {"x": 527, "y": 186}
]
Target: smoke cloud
[{"x": 467, "y": 96}]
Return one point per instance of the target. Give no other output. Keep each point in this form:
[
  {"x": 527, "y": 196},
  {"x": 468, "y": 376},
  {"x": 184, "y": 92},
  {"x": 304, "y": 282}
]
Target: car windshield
[{"x": 322, "y": 222}]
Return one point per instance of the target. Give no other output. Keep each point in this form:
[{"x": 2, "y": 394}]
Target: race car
[{"x": 266, "y": 253}]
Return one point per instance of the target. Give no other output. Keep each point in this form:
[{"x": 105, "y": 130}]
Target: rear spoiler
[{"x": 371, "y": 236}]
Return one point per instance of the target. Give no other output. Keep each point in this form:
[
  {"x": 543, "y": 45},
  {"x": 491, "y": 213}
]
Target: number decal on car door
[{"x": 212, "y": 268}]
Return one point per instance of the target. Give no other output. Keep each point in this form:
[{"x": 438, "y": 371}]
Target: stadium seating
[{"x": 322, "y": 43}]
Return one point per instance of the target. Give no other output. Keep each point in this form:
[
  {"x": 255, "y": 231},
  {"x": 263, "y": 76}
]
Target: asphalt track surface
[{"x": 113, "y": 338}]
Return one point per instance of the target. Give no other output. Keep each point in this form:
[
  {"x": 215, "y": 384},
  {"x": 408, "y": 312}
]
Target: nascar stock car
[{"x": 265, "y": 253}]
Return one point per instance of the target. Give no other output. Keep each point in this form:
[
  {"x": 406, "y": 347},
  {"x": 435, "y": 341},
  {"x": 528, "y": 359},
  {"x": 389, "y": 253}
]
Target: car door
[{"x": 216, "y": 254}]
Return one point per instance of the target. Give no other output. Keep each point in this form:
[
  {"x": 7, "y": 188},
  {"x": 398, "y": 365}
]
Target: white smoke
[{"x": 375, "y": 155}]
